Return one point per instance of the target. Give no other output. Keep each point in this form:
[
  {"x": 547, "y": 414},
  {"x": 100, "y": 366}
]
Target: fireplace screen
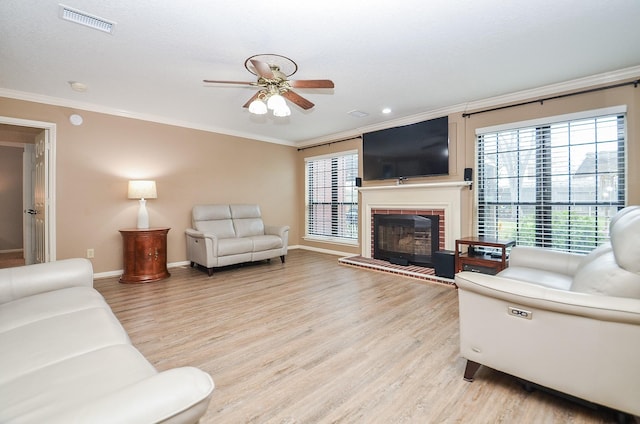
[{"x": 406, "y": 239}]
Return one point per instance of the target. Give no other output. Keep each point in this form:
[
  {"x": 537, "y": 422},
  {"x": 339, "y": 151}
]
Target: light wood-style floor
[
  {"x": 313, "y": 341},
  {"x": 11, "y": 259}
]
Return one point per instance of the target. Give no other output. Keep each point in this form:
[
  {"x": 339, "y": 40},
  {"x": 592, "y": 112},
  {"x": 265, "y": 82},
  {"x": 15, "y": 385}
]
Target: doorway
[{"x": 38, "y": 187}]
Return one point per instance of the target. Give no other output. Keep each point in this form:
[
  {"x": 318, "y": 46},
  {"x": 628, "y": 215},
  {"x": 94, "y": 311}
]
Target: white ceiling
[{"x": 414, "y": 56}]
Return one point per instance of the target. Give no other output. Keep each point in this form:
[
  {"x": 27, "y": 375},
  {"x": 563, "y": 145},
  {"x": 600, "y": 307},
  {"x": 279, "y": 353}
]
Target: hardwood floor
[
  {"x": 11, "y": 259},
  {"x": 312, "y": 341}
]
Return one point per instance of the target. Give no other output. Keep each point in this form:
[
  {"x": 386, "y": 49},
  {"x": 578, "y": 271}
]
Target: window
[
  {"x": 552, "y": 184},
  {"x": 332, "y": 198}
]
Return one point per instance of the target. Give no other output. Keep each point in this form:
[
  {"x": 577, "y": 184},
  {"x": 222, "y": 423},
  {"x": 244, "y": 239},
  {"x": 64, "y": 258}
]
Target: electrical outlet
[{"x": 90, "y": 253}]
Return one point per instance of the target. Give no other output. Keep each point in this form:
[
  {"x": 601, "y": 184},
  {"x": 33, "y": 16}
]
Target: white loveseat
[
  {"x": 224, "y": 235},
  {"x": 567, "y": 322},
  {"x": 65, "y": 358}
]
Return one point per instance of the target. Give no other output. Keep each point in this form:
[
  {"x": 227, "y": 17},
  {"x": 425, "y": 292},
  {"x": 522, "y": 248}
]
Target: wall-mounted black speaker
[
  {"x": 358, "y": 182},
  {"x": 468, "y": 174}
]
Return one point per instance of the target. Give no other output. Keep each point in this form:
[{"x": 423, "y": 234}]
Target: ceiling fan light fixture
[
  {"x": 273, "y": 83},
  {"x": 282, "y": 111},
  {"x": 258, "y": 107},
  {"x": 276, "y": 101}
]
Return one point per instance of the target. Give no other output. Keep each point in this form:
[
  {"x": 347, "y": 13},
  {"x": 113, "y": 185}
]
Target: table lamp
[{"x": 142, "y": 189}]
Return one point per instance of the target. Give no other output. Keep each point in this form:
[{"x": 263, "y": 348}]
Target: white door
[
  {"x": 41, "y": 196},
  {"x": 44, "y": 187},
  {"x": 28, "y": 204}
]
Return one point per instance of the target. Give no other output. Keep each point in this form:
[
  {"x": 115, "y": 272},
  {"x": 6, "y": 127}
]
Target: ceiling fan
[{"x": 273, "y": 72}]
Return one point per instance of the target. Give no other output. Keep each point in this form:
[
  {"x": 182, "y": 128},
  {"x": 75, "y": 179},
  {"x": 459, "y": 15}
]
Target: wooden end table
[
  {"x": 487, "y": 261},
  {"x": 144, "y": 255}
]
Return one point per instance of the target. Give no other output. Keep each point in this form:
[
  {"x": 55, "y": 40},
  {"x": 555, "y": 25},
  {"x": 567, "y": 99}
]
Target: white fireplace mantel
[
  {"x": 443, "y": 195},
  {"x": 453, "y": 184}
]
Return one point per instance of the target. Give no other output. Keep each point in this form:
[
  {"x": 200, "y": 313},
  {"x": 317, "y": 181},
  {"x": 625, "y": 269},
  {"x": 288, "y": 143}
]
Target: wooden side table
[
  {"x": 491, "y": 261},
  {"x": 144, "y": 255}
]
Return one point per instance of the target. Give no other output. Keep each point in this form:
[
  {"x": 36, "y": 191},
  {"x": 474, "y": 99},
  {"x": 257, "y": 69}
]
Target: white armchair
[{"x": 567, "y": 322}]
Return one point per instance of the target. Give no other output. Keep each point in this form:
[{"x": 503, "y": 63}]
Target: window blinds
[
  {"x": 552, "y": 185},
  {"x": 332, "y": 197}
]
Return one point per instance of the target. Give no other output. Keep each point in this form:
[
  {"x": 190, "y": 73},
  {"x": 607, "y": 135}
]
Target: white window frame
[
  {"x": 547, "y": 231},
  {"x": 341, "y": 198}
]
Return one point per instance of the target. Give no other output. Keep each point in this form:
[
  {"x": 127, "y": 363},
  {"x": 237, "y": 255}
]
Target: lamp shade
[
  {"x": 282, "y": 111},
  {"x": 142, "y": 189},
  {"x": 258, "y": 107},
  {"x": 276, "y": 101}
]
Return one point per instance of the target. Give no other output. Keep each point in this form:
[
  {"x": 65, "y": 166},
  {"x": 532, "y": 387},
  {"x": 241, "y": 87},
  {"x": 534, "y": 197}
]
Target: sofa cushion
[
  {"x": 49, "y": 304},
  {"x": 42, "y": 343},
  {"x": 247, "y": 220},
  {"x": 213, "y": 219},
  {"x": 603, "y": 276},
  {"x": 41, "y": 394},
  {"x": 222, "y": 228},
  {"x": 37, "y": 278},
  {"x": 625, "y": 240},
  {"x": 247, "y": 227},
  {"x": 266, "y": 242},
  {"x": 245, "y": 211},
  {"x": 234, "y": 246},
  {"x": 210, "y": 212},
  {"x": 596, "y": 253}
]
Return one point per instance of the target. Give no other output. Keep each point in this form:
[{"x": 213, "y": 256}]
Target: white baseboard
[
  {"x": 11, "y": 250},
  {"x": 117, "y": 273}
]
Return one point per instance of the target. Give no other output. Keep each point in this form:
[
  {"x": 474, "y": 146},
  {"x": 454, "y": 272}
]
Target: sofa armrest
[
  {"x": 201, "y": 246},
  {"x": 179, "y": 395},
  {"x": 277, "y": 230},
  {"x": 549, "y": 260},
  {"x": 190, "y": 232},
  {"x": 604, "y": 308},
  {"x": 39, "y": 278}
]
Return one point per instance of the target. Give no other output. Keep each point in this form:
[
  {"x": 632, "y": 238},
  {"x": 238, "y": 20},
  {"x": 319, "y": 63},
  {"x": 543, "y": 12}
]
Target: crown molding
[
  {"x": 576, "y": 84},
  {"x": 91, "y": 107},
  {"x": 567, "y": 86}
]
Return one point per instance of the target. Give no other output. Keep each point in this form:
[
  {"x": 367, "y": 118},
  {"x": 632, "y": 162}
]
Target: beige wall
[
  {"x": 10, "y": 198},
  {"x": 95, "y": 161},
  {"x": 462, "y": 146}
]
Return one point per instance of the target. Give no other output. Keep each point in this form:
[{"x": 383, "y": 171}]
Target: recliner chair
[{"x": 563, "y": 321}]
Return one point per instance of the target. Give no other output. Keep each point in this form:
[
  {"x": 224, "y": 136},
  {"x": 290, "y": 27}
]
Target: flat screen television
[{"x": 415, "y": 150}]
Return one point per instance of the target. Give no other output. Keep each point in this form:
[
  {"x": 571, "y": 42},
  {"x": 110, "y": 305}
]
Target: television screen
[{"x": 414, "y": 150}]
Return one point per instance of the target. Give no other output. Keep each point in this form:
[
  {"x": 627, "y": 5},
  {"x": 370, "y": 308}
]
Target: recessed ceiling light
[
  {"x": 78, "y": 86},
  {"x": 358, "y": 113},
  {"x": 386, "y": 110}
]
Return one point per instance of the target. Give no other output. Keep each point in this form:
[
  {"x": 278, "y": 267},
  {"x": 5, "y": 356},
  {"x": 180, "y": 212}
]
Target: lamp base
[{"x": 143, "y": 215}]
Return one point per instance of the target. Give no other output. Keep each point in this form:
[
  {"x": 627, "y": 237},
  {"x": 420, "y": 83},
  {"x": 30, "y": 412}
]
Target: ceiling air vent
[{"x": 83, "y": 18}]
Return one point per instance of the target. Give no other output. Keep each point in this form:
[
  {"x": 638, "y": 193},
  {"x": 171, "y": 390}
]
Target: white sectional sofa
[
  {"x": 65, "y": 358},
  {"x": 225, "y": 234}
]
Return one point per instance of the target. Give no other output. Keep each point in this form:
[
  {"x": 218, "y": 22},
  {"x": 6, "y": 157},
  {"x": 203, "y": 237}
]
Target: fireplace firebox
[{"x": 406, "y": 239}]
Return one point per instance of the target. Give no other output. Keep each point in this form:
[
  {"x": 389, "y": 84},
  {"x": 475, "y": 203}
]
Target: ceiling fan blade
[
  {"x": 311, "y": 83},
  {"x": 262, "y": 69},
  {"x": 255, "y": 96},
  {"x": 297, "y": 99},
  {"x": 229, "y": 82}
]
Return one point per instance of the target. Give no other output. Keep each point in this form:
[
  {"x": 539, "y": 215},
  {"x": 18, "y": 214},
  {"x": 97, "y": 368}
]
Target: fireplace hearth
[{"x": 404, "y": 239}]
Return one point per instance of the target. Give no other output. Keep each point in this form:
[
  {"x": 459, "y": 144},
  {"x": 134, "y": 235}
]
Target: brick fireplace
[
  {"x": 407, "y": 236},
  {"x": 441, "y": 199}
]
